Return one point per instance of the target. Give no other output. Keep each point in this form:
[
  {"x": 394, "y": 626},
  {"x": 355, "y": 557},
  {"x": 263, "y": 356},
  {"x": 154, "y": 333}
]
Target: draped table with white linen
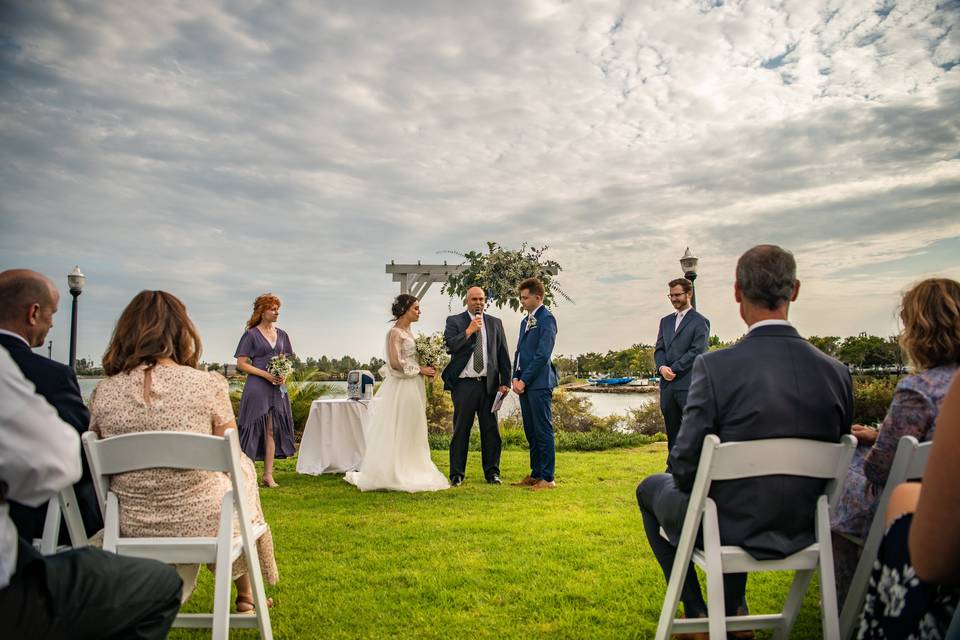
[{"x": 333, "y": 437}]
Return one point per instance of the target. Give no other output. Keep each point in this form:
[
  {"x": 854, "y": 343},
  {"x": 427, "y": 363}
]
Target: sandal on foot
[
  {"x": 247, "y": 601},
  {"x": 269, "y": 483}
]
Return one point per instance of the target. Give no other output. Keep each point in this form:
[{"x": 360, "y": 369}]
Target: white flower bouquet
[
  {"x": 431, "y": 351},
  {"x": 280, "y": 366}
]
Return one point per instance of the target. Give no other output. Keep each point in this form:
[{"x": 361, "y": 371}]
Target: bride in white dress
[{"x": 398, "y": 454}]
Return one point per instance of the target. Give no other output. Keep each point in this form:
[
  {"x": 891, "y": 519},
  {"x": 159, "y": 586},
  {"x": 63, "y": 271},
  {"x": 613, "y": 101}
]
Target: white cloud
[{"x": 220, "y": 150}]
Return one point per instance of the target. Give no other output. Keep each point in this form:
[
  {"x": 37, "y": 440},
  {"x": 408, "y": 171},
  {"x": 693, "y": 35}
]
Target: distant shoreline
[{"x": 622, "y": 388}]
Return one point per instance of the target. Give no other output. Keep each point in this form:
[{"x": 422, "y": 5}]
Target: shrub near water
[{"x": 872, "y": 398}]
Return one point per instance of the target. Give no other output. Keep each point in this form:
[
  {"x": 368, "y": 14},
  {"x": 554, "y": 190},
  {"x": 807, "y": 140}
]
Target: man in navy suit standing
[
  {"x": 681, "y": 338},
  {"x": 28, "y": 301},
  {"x": 533, "y": 380}
]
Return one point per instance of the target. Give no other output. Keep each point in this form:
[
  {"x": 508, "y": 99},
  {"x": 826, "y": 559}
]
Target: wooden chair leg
[
  {"x": 671, "y": 600},
  {"x": 801, "y": 581},
  {"x": 221, "y": 592},
  {"x": 828, "y": 583},
  {"x": 716, "y": 600}
]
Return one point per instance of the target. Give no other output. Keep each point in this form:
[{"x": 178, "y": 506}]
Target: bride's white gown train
[{"x": 397, "y": 457}]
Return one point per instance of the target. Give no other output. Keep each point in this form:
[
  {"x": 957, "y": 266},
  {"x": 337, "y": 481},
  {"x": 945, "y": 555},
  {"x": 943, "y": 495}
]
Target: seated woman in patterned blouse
[
  {"x": 154, "y": 385},
  {"x": 930, "y": 312},
  {"x": 914, "y": 589}
]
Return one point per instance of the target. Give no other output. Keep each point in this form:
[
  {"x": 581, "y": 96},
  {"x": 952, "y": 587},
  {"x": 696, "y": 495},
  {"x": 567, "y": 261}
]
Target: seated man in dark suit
[
  {"x": 28, "y": 301},
  {"x": 772, "y": 384}
]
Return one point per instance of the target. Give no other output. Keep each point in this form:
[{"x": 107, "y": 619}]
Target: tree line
[{"x": 862, "y": 351}]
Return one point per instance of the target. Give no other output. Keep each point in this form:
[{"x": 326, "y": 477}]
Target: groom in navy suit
[
  {"x": 533, "y": 380},
  {"x": 681, "y": 338}
]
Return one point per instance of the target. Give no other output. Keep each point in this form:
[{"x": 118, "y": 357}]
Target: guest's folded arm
[
  {"x": 699, "y": 420},
  {"x": 910, "y": 414}
]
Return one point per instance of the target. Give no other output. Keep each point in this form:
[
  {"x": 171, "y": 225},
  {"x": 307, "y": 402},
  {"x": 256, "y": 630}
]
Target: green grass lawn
[{"x": 478, "y": 561}]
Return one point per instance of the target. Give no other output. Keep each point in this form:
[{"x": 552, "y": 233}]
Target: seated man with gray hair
[{"x": 772, "y": 384}]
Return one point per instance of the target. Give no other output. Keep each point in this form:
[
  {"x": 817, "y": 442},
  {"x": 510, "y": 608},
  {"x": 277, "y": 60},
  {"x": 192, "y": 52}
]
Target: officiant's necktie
[{"x": 478, "y": 353}]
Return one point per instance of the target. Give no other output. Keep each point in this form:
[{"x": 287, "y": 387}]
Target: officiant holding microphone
[{"x": 479, "y": 368}]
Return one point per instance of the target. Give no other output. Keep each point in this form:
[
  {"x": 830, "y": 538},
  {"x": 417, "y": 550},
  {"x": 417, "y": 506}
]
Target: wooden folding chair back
[
  {"x": 170, "y": 449},
  {"x": 909, "y": 463},
  {"x": 735, "y": 460}
]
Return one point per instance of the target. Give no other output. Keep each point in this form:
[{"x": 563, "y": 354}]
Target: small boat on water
[{"x": 610, "y": 381}]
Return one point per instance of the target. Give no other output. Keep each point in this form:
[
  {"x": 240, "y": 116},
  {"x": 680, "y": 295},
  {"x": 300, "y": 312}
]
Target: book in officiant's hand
[{"x": 498, "y": 401}]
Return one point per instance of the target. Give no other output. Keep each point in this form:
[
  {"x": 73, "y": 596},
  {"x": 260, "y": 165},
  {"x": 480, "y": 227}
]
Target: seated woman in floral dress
[
  {"x": 930, "y": 312},
  {"x": 154, "y": 385},
  {"x": 914, "y": 589}
]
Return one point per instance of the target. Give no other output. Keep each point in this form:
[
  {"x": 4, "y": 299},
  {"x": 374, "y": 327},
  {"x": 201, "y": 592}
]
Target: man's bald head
[
  {"x": 28, "y": 300},
  {"x": 476, "y": 300}
]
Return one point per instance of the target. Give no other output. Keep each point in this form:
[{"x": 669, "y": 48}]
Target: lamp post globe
[
  {"x": 688, "y": 263},
  {"x": 75, "y": 280}
]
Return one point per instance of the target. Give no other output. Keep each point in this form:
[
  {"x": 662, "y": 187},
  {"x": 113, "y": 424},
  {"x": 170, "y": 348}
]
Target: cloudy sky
[{"x": 222, "y": 149}]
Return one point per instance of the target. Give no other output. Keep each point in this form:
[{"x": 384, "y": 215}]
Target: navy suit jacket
[
  {"x": 58, "y": 384},
  {"x": 532, "y": 362},
  {"x": 772, "y": 384},
  {"x": 460, "y": 348},
  {"x": 679, "y": 349}
]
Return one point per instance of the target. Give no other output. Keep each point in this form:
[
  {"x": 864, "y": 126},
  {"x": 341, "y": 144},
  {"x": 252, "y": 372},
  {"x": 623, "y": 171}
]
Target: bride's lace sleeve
[{"x": 402, "y": 367}]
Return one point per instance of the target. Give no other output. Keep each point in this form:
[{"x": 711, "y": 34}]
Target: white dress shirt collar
[
  {"x": 4, "y": 332},
  {"x": 769, "y": 323}
]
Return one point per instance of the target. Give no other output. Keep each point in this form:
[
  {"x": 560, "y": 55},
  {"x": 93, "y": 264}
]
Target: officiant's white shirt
[{"x": 470, "y": 371}]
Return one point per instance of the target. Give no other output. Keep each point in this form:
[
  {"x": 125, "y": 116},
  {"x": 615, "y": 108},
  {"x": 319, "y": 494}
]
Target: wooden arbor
[{"x": 416, "y": 279}]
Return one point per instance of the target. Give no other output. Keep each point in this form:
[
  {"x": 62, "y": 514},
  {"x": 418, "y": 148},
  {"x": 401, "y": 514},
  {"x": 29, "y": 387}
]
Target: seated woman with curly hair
[
  {"x": 930, "y": 312},
  {"x": 153, "y": 384}
]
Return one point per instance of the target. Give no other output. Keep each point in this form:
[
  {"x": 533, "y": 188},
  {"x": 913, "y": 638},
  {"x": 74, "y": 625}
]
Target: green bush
[
  {"x": 573, "y": 412},
  {"x": 647, "y": 420},
  {"x": 439, "y": 407},
  {"x": 514, "y": 439},
  {"x": 568, "y": 379},
  {"x": 872, "y": 398}
]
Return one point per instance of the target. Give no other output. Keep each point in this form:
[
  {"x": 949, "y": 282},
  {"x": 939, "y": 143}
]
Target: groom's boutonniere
[{"x": 531, "y": 322}]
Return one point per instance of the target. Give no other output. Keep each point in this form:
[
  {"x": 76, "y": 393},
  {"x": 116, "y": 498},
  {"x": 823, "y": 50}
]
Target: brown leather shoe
[
  {"x": 544, "y": 484},
  {"x": 528, "y": 481},
  {"x": 698, "y": 635},
  {"x": 746, "y": 634}
]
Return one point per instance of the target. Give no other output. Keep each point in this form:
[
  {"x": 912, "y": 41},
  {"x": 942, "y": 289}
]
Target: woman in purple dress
[{"x": 266, "y": 420}]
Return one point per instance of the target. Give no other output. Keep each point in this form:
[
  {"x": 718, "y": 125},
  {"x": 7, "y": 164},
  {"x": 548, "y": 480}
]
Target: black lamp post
[
  {"x": 75, "y": 281},
  {"x": 688, "y": 262},
  {"x": 50, "y": 349}
]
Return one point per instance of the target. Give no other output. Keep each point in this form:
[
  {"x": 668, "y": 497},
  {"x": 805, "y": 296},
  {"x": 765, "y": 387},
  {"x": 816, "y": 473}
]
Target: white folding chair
[
  {"x": 63, "y": 504},
  {"x": 908, "y": 464},
  {"x": 732, "y": 460},
  {"x": 153, "y": 449}
]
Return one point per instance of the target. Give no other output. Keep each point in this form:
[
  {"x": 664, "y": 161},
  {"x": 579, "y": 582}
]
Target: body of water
[{"x": 604, "y": 404}]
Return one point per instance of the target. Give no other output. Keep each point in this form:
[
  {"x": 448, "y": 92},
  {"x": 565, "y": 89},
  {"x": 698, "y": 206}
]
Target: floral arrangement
[
  {"x": 280, "y": 366},
  {"x": 431, "y": 351},
  {"x": 499, "y": 271}
]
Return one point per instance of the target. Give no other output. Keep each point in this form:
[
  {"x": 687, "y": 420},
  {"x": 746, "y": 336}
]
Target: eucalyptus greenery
[{"x": 500, "y": 270}]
